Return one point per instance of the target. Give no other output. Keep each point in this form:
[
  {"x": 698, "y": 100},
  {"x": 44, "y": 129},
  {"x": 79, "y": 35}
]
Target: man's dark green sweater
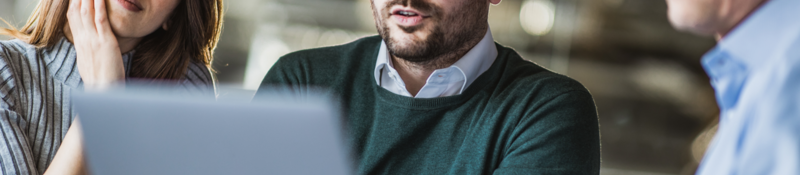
[{"x": 516, "y": 118}]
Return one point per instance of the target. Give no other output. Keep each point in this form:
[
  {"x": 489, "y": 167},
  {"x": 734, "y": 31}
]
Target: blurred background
[{"x": 652, "y": 95}]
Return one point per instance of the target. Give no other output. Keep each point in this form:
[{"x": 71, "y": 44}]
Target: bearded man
[{"x": 434, "y": 94}]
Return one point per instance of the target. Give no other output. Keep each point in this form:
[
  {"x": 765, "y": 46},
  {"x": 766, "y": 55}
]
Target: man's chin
[
  {"x": 401, "y": 33},
  {"x": 407, "y": 49},
  {"x": 402, "y": 46},
  {"x": 692, "y": 19},
  {"x": 695, "y": 27},
  {"x": 404, "y": 42},
  {"x": 411, "y": 46}
]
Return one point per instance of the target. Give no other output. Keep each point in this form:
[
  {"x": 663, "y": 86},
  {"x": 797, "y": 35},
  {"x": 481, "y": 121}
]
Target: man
[
  {"x": 755, "y": 70},
  {"x": 433, "y": 94}
]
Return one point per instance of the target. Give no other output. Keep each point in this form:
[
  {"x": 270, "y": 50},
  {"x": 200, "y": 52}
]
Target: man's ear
[
  {"x": 164, "y": 26},
  {"x": 495, "y": 2}
]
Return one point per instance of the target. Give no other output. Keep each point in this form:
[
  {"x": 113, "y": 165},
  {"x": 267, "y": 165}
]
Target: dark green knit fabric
[{"x": 516, "y": 118}]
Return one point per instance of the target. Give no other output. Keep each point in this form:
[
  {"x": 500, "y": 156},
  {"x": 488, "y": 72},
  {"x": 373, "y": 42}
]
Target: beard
[{"x": 449, "y": 35}]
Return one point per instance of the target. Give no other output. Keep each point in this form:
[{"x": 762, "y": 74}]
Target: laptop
[{"x": 164, "y": 133}]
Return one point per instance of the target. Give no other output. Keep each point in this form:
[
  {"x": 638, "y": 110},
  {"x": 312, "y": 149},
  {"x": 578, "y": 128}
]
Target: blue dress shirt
[{"x": 755, "y": 71}]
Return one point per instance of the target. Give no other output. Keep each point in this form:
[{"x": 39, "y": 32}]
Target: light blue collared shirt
[{"x": 755, "y": 71}]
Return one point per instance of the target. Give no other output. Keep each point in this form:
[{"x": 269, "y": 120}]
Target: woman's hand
[{"x": 99, "y": 56}]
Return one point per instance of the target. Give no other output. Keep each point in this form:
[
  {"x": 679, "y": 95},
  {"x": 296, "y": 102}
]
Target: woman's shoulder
[
  {"x": 199, "y": 72},
  {"x": 23, "y": 61},
  {"x": 15, "y": 49},
  {"x": 20, "y": 54},
  {"x": 14, "y": 54},
  {"x": 199, "y": 77},
  {"x": 15, "y": 44}
]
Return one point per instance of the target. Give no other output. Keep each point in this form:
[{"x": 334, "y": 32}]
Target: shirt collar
[
  {"x": 478, "y": 59},
  {"x": 759, "y": 40},
  {"x": 382, "y": 61},
  {"x": 471, "y": 65},
  {"x": 766, "y": 32}
]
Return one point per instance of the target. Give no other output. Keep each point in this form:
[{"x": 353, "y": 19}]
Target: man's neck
[
  {"x": 736, "y": 13},
  {"x": 415, "y": 74}
]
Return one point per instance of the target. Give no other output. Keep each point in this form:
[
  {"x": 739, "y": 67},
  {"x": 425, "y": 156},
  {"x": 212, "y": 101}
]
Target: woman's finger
[
  {"x": 101, "y": 19},
  {"x": 87, "y": 17},
  {"x": 74, "y": 16},
  {"x": 74, "y": 5}
]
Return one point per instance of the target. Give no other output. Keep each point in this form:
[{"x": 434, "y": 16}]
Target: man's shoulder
[
  {"x": 528, "y": 77},
  {"x": 335, "y": 64},
  {"x": 550, "y": 83},
  {"x": 359, "y": 48}
]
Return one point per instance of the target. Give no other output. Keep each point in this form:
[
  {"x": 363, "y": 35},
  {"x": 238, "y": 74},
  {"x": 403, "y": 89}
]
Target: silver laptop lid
[{"x": 155, "y": 133}]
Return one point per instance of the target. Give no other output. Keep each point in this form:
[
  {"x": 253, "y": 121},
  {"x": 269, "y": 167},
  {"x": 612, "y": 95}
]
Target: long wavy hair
[{"x": 194, "y": 29}]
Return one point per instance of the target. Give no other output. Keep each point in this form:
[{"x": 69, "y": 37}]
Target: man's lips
[
  {"x": 131, "y": 5},
  {"x": 407, "y": 16}
]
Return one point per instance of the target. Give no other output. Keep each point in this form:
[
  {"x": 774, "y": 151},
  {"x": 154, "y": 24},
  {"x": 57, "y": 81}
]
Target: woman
[{"x": 73, "y": 45}]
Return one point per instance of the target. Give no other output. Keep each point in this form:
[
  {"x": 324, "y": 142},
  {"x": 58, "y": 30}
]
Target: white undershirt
[{"x": 444, "y": 82}]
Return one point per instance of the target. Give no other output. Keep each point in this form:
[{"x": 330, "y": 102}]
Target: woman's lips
[{"x": 130, "y": 5}]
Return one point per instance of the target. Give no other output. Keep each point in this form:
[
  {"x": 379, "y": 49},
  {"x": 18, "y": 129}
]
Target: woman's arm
[
  {"x": 69, "y": 158},
  {"x": 100, "y": 66},
  {"x": 15, "y": 153}
]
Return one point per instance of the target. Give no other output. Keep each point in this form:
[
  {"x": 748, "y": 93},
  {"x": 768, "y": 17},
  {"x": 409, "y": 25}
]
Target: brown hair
[{"x": 194, "y": 29}]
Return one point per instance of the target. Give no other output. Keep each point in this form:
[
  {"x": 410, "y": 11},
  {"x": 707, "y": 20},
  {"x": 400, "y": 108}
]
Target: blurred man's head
[
  {"x": 709, "y": 17},
  {"x": 421, "y": 30}
]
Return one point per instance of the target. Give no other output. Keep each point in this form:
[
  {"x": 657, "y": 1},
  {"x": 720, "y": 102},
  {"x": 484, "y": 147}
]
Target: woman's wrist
[{"x": 104, "y": 85}]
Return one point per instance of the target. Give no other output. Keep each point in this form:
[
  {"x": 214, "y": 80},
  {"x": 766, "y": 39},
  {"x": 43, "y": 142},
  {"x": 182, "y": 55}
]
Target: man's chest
[{"x": 391, "y": 140}]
